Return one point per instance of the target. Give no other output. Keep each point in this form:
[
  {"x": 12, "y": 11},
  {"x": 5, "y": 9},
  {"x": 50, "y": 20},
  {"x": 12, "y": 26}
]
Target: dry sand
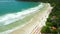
[{"x": 33, "y": 23}]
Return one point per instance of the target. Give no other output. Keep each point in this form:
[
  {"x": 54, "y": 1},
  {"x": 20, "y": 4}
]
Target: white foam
[{"x": 9, "y": 18}]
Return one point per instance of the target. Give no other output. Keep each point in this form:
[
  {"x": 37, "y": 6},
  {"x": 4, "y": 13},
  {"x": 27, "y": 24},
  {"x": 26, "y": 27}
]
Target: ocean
[
  {"x": 10, "y": 7},
  {"x": 11, "y": 10},
  {"x": 7, "y": 7}
]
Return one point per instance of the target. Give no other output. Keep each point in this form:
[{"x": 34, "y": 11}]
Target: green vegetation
[
  {"x": 52, "y": 26},
  {"x": 53, "y": 22}
]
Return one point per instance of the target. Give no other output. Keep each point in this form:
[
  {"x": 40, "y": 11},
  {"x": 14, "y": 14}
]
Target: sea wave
[{"x": 10, "y": 18}]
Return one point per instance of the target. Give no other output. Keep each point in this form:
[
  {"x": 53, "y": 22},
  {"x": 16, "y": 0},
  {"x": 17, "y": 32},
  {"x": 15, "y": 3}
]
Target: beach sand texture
[{"x": 36, "y": 20}]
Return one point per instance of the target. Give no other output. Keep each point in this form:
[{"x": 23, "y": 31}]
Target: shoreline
[
  {"x": 36, "y": 8},
  {"x": 22, "y": 30},
  {"x": 15, "y": 16}
]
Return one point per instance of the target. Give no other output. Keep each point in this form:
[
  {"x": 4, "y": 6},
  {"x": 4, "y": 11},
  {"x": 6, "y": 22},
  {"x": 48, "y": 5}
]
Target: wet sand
[{"x": 27, "y": 29}]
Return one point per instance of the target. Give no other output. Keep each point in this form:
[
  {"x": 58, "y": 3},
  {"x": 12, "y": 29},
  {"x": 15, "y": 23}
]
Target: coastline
[
  {"x": 16, "y": 16},
  {"x": 25, "y": 30},
  {"x": 25, "y": 12}
]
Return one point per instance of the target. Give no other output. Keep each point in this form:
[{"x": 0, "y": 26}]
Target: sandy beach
[{"x": 35, "y": 21}]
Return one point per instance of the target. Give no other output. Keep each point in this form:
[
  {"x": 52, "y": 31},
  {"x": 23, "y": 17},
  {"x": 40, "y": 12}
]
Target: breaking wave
[{"x": 10, "y": 18}]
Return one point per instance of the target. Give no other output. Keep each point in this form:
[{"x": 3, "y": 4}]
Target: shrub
[{"x": 45, "y": 29}]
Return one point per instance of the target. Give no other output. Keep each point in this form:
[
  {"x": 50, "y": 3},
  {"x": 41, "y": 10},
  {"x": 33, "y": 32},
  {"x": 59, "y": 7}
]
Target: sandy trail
[{"x": 33, "y": 23}]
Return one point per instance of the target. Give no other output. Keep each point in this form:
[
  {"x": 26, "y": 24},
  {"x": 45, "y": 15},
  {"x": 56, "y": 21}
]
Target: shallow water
[
  {"x": 10, "y": 11},
  {"x": 9, "y": 8}
]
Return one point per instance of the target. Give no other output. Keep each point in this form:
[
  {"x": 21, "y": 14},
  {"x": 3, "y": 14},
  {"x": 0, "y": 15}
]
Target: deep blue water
[{"x": 12, "y": 6}]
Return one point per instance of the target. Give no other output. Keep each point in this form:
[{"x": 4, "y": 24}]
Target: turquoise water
[{"x": 13, "y": 6}]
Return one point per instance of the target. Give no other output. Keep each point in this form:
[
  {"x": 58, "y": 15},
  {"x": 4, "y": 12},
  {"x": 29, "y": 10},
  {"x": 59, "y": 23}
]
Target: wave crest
[{"x": 10, "y": 18}]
